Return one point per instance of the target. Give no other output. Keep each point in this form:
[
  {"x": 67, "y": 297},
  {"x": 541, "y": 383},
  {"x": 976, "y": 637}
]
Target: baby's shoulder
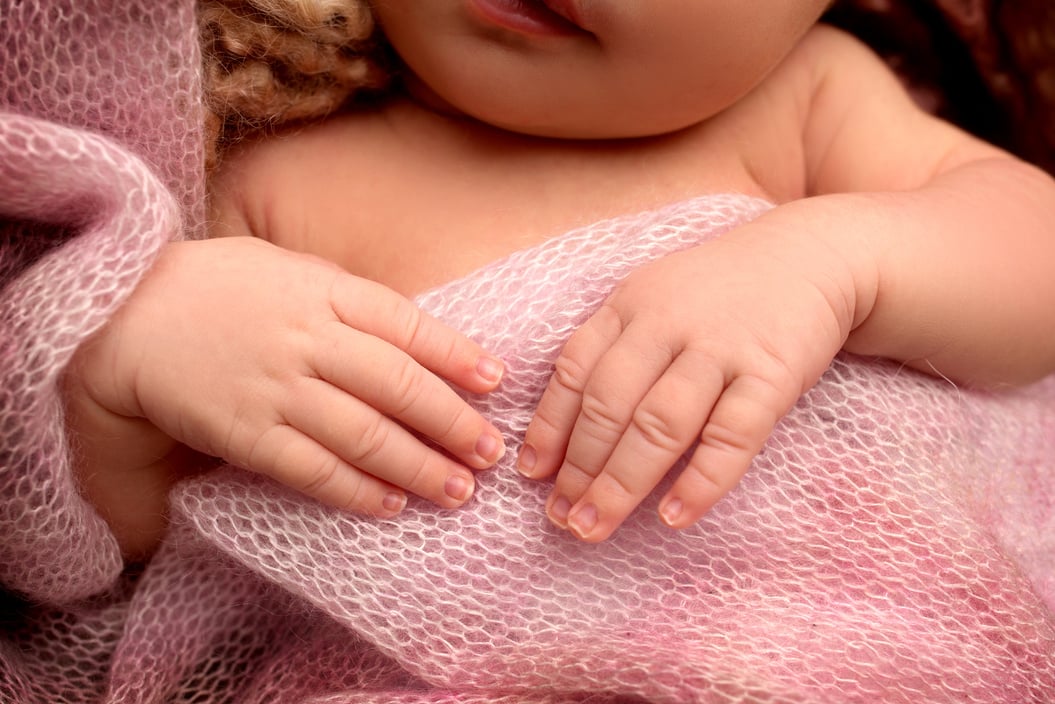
[
  {"x": 861, "y": 130},
  {"x": 272, "y": 173},
  {"x": 825, "y": 56},
  {"x": 829, "y": 48}
]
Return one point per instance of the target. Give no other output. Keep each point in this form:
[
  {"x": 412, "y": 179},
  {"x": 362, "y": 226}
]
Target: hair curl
[{"x": 270, "y": 62}]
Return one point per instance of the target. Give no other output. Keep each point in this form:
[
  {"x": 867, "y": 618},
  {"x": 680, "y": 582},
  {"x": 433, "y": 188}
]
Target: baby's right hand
[{"x": 284, "y": 364}]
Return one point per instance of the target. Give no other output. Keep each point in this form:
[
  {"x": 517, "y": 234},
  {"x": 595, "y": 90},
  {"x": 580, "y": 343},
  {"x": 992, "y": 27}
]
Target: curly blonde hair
[{"x": 270, "y": 62}]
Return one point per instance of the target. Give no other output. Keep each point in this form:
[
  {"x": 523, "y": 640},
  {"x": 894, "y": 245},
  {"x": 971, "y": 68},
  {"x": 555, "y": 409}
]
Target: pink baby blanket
[{"x": 894, "y": 541}]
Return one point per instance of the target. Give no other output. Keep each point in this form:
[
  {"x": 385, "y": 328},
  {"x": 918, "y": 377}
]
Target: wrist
[{"x": 823, "y": 238}]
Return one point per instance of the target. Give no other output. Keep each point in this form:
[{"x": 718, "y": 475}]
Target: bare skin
[
  {"x": 896, "y": 235},
  {"x": 338, "y": 369}
]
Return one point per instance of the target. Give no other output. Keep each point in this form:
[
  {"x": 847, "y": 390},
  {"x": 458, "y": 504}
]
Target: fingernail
[
  {"x": 490, "y": 369},
  {"x": 489, "y": 447},
  {"x": 584, "y": 520},
  {"x": 526, "y": 461},
  {"x": 458, "y": 487},
  {"x": 671, "y": 511},
  {"x": 394, "y": 502},
  {"x": 558, "y": 511}
]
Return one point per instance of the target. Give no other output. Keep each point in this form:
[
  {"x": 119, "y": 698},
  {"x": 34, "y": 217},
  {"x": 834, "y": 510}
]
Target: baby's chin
[
  {"x": 601, "y": 127},
  {"x": 555, "y": 121}
]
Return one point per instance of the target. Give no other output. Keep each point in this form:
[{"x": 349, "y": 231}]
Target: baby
[{"x": 287, "y": 344}]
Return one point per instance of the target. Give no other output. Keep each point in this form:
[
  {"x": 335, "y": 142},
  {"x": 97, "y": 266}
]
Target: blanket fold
[
  {"x": 112, "y": 200},
  {"x": 100, "y": 163}
]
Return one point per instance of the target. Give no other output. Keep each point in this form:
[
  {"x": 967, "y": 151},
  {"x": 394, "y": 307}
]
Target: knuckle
[
  {"x": 405, "y": 385},
  {"x": 255, "y": 458},
  {"x": 576, "y": 474},
  {"x": 658, "y": 429},
  {"x": 546, "y": 423},
  {"x": 339, "y": 288},
  {"x": 620, "y": 483},
  {"x": 318, "y": 476},
  {"x": 323, "y": 348},
  {"x": 734, "y": 437},
  {"x": 602, "y": 414},
  {"x": 419, "y": 480},
  {"x": 773, "y": 375},
  {"x": 258, "y": 446},
  {"x": 713, "y": 483},
  {"x": 452, "y": 428},
  {"x": 569, "y": 374},
  {"x": 409, "y": 324},
  {"x": 722, "y": 437},
  {"x": 755, "y": 411},
  {"x": 296, "y": 391},
  {"x": 358, "y": 497},
  {"x": 608, "y": 316},
  {"x": 448, "y": 350},
  {"x": 370, "y": 441}
]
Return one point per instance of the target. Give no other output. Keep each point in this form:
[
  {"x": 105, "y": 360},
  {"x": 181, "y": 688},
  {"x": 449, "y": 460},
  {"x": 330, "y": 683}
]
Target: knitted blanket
[{"x": 894, "y": 542}]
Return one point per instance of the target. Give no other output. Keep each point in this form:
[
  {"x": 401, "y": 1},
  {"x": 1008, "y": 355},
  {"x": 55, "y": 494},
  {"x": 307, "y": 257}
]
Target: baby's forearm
[{"x": 956, "y": 278}]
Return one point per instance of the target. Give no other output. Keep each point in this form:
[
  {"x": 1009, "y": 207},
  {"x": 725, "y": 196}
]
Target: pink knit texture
[
  {"x": 99, "y": 138},
  {"x": 894, "y": 542}
]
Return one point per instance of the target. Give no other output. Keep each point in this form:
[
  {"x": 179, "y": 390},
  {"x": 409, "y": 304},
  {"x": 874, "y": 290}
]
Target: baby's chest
[{"x": 426, "y": 217}]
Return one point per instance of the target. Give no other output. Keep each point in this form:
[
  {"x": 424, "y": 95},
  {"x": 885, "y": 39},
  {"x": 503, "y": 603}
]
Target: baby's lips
[{"x": 569, "y": 10}]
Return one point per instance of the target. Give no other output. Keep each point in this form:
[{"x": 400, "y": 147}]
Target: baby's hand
[
  {"x": 284, "y": 364},
  {"x": 713, "y": 344}
]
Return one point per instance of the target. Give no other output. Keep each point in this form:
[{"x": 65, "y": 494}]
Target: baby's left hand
[{"x": 714, "y": 344}]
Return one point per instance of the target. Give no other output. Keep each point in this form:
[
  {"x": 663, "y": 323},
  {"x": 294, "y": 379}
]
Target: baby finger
[
  {"x": 290, "y": 457},
  {"x": 378, "y": 310},
  {"x": 734, "y": 434},
  {"x": 546, "y": 437},
  {"x": 377, "y": 445},
  {"x": 391, "y": 381},
  {"x": 663, "y": 426},
  {"x": 619, "y": 383}
]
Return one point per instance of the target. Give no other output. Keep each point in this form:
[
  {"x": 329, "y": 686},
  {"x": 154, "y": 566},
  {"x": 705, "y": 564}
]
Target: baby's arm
[
  {"x": 913, "y": 241},
  {"x": 958, "y": 237},
  {"x": 281, "y": 363}
]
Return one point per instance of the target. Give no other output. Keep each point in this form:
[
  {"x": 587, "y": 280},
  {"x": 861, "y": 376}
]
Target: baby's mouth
[
  {"x": 567, "y": 9},
  {"x": 535, "y": 17}
]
